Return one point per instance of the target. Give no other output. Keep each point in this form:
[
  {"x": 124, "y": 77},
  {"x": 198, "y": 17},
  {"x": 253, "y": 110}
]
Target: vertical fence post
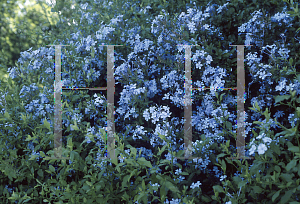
[
  {"x": 110, "y": 102},
  {"x": 240, "y": 142},
  {"x": 188, "y": 106},
  {"x": 58, "y": 106}
]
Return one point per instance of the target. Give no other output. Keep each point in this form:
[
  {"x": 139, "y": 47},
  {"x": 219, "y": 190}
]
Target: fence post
[
  {"x": 58, "y": 106},
  {"x": 188, "y": 106},
  {"x": 240, "y": 142}
]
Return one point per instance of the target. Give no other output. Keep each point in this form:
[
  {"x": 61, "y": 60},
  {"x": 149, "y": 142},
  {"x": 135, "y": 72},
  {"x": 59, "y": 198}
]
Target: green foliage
[
  {"x": 295, "y": 11},
  {"x": 20, "y": 32},
  {"x": 271, "y": 177}
]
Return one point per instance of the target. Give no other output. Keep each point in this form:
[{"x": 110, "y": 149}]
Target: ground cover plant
[{"x": 149, "y": 74}]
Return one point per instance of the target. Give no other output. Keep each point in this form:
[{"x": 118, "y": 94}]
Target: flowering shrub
[{"x": 149, "y": 74}]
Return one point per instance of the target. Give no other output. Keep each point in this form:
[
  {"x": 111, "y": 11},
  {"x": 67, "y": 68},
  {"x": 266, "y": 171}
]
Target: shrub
[{"x": 149, "y": 116}]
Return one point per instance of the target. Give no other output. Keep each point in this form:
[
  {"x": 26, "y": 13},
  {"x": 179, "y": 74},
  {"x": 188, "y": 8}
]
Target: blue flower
[
  {"x": 178, "y": 171},
  {"x": 282, "y": 16},
  {"x": 206, "y": 26},
  {"x": 191, "y": 26},
  {"x": 252, "y": 149},
  {"x": 219, "y": 10},
  {"x": 261, "y": 148},
  {"x": 101, "y": 34},
  {"x": 84, "y": 6},
  {"x": 147, "y": 43},
  {"x": 222, "y": 177},
  {"x": 181, "y": 178},
  {"x": 279, "y": 114},
  {"x": 281, "y": 85},
  {"x": 75, "y": 36},
  {"x": 196, "y": 185},
  {"x": 284, "y": 52},
  {"x": 44, "y": 99}
]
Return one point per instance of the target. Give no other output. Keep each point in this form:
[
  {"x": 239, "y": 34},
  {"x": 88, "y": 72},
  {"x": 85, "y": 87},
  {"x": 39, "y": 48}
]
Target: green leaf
[
  {"x": 143, "y": 185},
  {"x": 179, "y": 154},
  {"x": 223, "y": 165},
  {"x": 228, "y": 125},
  {"x": 257, "y": 189},
  {"x": 129, "y": 161},
  {"x": 131, "y": 174},
  {"x": 101, "y": 173},
  {"x": 298, "y": 108},
  {"x": 142, "y": 161},
  {"x": 42, "y": 154},
  {"x": 277, "y": 168},
  {"x": 93, "y": 52},
  {"x": 98, "y": 187},
  {"x": 75, "y": 126},
  {"x": 221, "y": 155},
  {"x": 52, "y": 169},
  {"x": 140, "y": 152},
  {"x": 85, "y": 187},
  {"x": 162, "y": 137},
  {"x": 222, "y": 96},
  {"x": 274, "y": 176},
  {"x": 287, "y": 133},
  {"x": 161, "y": 150},
  {"x": 133, "y": 151},
  {"x": 125, "y": 181},
  {"x": 40, "y": 173},
  {"x": 6, "y": 115},
  {"x": 275, "y": 148},
  {"x": 138, "y": 197},
  {"x": 23, "y": 118},
  {"x": 33, "y": 157},
  {"x": 70, "y": 143},
  {"x": 74, "y": 155},
  {"x": 171, "y": 186},
  {"x": 291, "y": 61},
  {"x": 291, "y": 165},
  {"x": 218, "y": 189},
  {"x": 294, "y": 149},
  {"x": 276, "y": 195},
  {"x": 286, "y": 177},
  {"x": 286, "y": 197},
  {"x": 242, "y": 183},
  {"x": 46, "y": 124},
  {"x": 257, "y": 106},
  {"x": 74, "y": 98},
  {"x": 28, "y": 138},
  {"x": 114, "y": 160},
  {"x": 281, "y": 98}
]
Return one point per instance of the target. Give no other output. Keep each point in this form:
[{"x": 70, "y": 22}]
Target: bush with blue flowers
[{"x": 149, "y": 107}]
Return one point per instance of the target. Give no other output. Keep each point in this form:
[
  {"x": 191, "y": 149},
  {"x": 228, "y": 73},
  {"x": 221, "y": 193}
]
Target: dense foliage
[
  {"x": 149, "y": 74},
  {"x": 23, "y": 26}
]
